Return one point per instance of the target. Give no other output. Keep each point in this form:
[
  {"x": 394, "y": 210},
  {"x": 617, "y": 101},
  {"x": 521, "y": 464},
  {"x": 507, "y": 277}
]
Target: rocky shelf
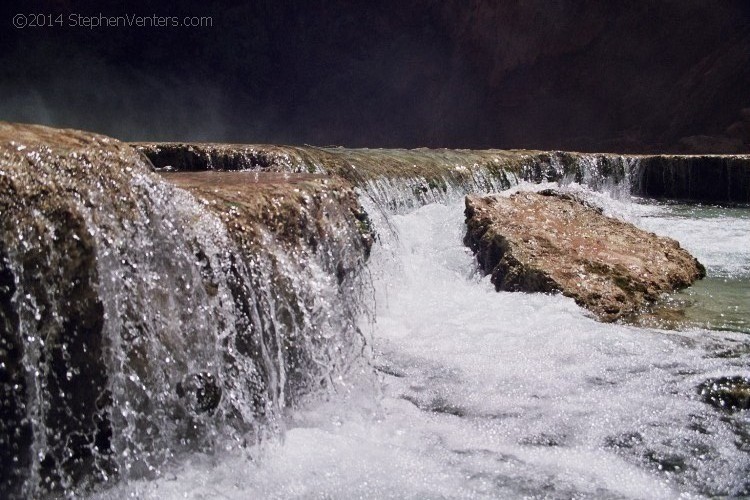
[
  {"x": 699, "y": 178},
  {"x": 199, "y": 300}
]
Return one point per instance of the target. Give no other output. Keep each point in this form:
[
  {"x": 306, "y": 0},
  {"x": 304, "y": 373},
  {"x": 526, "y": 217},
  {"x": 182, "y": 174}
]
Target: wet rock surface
[
  {"x": 201, "y": 390},
  {"x": 196, "y": 157},
  {"x": 552, "y": 242},
  {"x": 292, "y": 206},
  {"x": 52, "y": 348},
  {"x": 705, "y": 178},
  {"x": 433, "y": 166},
  {"x": 315, "y": 224},
  {"x": 141, "y": 315},
  {"x": 727, "y": 393},
  {"x": 428, "y": 169}
]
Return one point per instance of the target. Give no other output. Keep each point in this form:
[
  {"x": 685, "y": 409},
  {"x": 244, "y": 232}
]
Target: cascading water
[
  {"x": 139, "y": 324},
  {"x": 204, "y": 323},
  {"x": 488, "y": 395}
]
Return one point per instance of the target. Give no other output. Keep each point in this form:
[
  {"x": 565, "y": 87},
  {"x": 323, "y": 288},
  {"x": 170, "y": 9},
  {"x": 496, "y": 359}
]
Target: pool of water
[{"x": 720, "y": 238}]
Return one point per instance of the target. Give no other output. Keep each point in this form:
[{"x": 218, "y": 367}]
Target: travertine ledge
[{"x": 701, "y": 178}]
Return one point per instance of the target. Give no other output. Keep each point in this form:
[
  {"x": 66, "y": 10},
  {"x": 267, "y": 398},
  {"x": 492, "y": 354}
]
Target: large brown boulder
[{"x": 552, "y": 242}]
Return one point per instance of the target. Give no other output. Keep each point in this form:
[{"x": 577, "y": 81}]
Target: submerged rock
[
  {"x": 550, "y": 242},
  {"x": 201, "y": 391},
  {"x": 727, "y": 393}
]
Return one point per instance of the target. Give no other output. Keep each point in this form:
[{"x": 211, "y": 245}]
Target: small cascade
[
  {"x": 701, "y": 178},
  {"x": 399, "y": 195},
  {"x": 401, "y": 180},
  {"x": 603, "y": 173},
  {"x": 599, "y": 172},
  {"x": 139, "y": 323},
  {"x": 502, "y": 395}
]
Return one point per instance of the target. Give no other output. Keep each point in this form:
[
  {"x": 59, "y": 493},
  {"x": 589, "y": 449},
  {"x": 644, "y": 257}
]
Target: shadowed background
[{"x": 627, "y": 76}]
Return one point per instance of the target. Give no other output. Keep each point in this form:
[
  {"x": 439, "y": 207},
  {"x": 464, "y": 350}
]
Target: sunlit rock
[
  {"x": 304, "y": 231},
  {"x": 548, "y": 242}
]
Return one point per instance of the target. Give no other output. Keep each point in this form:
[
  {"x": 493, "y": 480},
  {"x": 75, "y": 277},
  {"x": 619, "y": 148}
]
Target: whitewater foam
[{"x": 488, "y": 395}]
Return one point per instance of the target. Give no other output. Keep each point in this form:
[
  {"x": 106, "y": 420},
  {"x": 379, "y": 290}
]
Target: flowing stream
[{"x": 471, "y": 393}]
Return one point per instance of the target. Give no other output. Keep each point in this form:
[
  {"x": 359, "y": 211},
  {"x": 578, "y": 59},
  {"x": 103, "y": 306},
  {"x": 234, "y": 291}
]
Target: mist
[{"x": 653, "y": 76}]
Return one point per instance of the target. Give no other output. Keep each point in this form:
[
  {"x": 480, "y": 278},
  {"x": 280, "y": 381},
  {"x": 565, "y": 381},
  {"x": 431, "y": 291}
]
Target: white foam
[{"x": 489, "y": 395}]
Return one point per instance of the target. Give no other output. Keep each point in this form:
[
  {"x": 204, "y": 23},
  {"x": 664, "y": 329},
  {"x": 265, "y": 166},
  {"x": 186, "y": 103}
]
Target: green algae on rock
[{"x": 548, "y": 242}]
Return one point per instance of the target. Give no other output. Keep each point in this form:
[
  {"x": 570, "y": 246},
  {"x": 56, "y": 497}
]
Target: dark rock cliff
[{"x": 649, "y": 76}]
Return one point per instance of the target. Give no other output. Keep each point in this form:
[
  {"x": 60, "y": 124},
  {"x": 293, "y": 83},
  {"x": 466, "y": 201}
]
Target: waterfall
[
  {"x": 147, "y": 316},
  {"x": 501, "y": 395},
  {"x": 711, "y": 179},
  {"x": 400, "y": 180},
  {"x": 140, "y": 323}
]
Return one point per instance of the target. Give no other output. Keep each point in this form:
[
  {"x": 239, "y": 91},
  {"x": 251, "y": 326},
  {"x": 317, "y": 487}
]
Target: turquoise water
[{"x": 720, "y": 238}]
